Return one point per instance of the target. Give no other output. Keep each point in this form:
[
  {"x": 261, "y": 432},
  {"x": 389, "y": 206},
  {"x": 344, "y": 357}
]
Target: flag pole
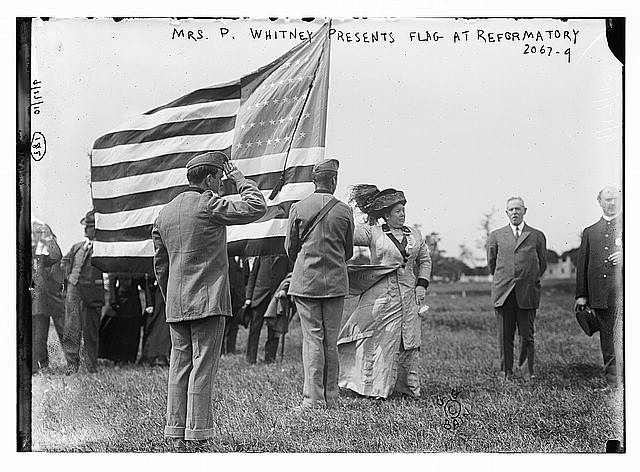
[{"x": 280, "y": 183}]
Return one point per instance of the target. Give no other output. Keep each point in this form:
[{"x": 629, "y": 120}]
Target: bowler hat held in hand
[{"x": 587, "y": 321}]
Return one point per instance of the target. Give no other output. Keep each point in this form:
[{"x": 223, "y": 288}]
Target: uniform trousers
[
  {"x": 253, "y": 340},
  {"x": 320, "y": 322},
  {"x": 195, "y": 354},
  {"x": 81, "y": 323},
  {"x": 610, "y": 321},
  {"x": 509, "y": 316}
]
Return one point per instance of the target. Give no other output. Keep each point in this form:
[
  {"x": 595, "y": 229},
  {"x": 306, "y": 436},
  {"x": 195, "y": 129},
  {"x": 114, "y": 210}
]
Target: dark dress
[
  {"x": 156, "y": 341},
  {"x": 120, "y": 327}
]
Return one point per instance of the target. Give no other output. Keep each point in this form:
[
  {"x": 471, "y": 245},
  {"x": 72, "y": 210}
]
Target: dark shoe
[
  {"x": 587, "y": 321},
  {"x": 178, "y": 445},
  {"x": 197, "y": 445},
  {"x": 71, "y": 369},
  {"x": 159, "y": 362}
]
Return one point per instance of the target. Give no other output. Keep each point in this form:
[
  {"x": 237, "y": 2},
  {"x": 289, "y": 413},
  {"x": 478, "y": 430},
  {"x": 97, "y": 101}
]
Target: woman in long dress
[{"x": 380, "y": 341}]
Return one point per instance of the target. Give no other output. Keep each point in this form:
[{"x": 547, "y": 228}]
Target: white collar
[
  {"x": 609, "y": 218},
  {"x": 520, "y": 227}
]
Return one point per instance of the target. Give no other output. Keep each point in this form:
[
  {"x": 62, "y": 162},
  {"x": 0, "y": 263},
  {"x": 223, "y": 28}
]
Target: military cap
[
  {"x": 327, "y": 165},
  {"x": 210, "y": 159},
  {"x": 89, "y": 219}
]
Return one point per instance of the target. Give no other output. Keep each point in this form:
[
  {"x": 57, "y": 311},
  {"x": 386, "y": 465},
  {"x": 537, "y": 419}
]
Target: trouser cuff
[
  {"x": 195, "y": 434},
  {"x": 174, "y": 432}
]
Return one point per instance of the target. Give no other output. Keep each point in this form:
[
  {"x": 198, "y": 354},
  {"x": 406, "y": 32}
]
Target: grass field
[{"x": 122, "y": 409}]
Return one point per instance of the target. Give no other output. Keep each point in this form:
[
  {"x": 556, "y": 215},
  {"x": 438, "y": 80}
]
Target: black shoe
[
  {"x": 587, "y": 321},
  {"x": 159, "y": 362},
  {"x": 71, "y": 369},
  {"x": 178, "y": 445}
]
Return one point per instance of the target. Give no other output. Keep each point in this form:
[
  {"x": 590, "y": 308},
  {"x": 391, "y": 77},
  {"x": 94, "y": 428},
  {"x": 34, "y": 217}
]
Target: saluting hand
[{"x": 231, "y": 170}]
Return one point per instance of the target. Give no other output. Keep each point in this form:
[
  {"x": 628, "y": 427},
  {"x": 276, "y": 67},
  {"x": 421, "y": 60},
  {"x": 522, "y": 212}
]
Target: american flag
[{"x": 271, "y": 122}]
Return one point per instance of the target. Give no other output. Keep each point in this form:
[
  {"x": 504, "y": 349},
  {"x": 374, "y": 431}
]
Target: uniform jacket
[
  {"x": 89, "y": 283},
  {"x": 266, "y": 275},
  {"x": 190, "y": 241},
  {"x": 320, "y": 268},
  {"x": 596, "y": 277},
  {"x": 517, "y": 265}
]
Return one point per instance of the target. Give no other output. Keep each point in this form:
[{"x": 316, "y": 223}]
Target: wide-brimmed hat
[
  {"x": 388, "y": 198},
  {"x": 89, "y": 219}
]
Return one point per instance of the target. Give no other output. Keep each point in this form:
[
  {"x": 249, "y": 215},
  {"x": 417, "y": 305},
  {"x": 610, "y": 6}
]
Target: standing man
[
  {"x": 599, "y": 282},
  {"x": 319, "y": 242},
  {"x": 190, "y": 262},
  {"x": 517, "y": 258},
  {"x": 84, "y": 301},
  {"x": 265, "y": 277}
]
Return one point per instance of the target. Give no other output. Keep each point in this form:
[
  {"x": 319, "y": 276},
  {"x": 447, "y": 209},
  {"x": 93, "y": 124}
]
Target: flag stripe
[
  {"x": 273, "y": 245},
  {"x": 212, "y": 94},
  {"x": 146, "y": 216},
  {"x": 121, "y": 263},
  {"x": 140, "y": 233},
  {"x": 144, "y": 247},
  {"x": 138, "y": 152},
  {"x": 248, "y": 166},
  {"x": 167, "y": 130},
  {"x": 198, "y": 111},
  {"x": 166, "y": 194},
  {"x": 173, "y": 177},
  {"x": 147, "y": 166}
]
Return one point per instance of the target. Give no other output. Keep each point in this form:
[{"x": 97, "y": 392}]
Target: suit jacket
[
  {"x": 596, "y": 277},
  {"x": 320, "y": 267},
  {"x": 266, "y": 275},
  {"x": 190, "y": 241},
  {"x": 517, "y": 265}
]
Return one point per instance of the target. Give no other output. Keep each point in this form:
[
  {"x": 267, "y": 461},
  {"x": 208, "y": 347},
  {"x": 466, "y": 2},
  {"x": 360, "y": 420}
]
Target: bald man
[
  {"x": 517, "y": 258},
  {"x": 599, "y": 282}
]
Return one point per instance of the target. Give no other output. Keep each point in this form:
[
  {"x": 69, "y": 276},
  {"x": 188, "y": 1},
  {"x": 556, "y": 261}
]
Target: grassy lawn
[{"x": 122, "y": 409}]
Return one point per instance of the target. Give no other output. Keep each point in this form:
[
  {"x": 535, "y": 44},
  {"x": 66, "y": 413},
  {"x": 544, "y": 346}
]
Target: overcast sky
[{"x": 459, "y": 126}]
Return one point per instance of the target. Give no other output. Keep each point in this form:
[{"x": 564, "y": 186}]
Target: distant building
[
  {"x": 561, "y": 266},
  {"x": 476, "y": 274}
]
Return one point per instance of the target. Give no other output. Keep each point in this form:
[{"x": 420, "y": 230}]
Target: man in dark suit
[
  {"x": 191, "y": 266},
  {"x": 264, "y": 279},
  {"x": 517, "y": 258},
  {"x": 599, "y": 282},
  {"x": 319, "y": 282},
  {"x": 84, "y": 301},
  {"x": 238, "y": 275}
]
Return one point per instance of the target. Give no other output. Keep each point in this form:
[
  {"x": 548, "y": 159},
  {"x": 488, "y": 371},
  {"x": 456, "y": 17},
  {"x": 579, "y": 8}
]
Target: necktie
[{"x": 517, "y": 233}]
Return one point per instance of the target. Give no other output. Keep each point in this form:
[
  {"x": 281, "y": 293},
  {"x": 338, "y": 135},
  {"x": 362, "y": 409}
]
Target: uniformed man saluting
[
  {"x": 320, "y": 241},
  {"x": 599, "y": 282}
]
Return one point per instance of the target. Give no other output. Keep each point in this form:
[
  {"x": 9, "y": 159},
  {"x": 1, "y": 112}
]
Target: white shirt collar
[
  {"x": 520, "y": 228},
  {"x": 609, "y": 218}
]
